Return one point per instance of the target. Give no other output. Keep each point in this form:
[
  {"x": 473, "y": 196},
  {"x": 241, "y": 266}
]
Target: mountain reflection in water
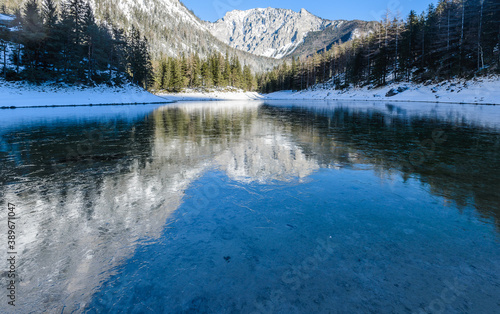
[{"x": 90, "y": 191}]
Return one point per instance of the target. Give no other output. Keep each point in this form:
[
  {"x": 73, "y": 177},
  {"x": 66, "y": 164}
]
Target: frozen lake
[{"x": 253, "y": 207}]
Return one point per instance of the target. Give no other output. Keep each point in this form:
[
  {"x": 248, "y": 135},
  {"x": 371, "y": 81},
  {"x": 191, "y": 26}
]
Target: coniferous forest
[
  {"x": 456, "y": 38},
  {"x": 217, "y": 70},
  {"x": 66, "y": 44}
]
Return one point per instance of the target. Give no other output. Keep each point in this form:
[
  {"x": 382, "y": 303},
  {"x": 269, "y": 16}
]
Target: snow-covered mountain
[
  {"x": 277, "y": 33},
  {"x": 258, "y": 37},
  {"x": 266, "y": 32},
  {"x": 169, "y": 26},
  {"x": 339, "y": 32},
  {"x": 171, "y": 29}
]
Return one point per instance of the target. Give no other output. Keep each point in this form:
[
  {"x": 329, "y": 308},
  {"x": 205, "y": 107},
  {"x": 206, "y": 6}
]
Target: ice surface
[{"x": 266, "y": 206}]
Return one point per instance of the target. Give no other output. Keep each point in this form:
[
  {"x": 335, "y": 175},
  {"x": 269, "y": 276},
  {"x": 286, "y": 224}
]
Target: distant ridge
[{"x": 280, "y": 33}]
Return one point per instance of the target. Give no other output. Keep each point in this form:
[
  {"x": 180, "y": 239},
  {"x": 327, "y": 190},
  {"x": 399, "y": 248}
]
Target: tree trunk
[
  {"x": 18, "y": 57},
  {"x": 479, "y": 49},
  {"x": 462, "y": 36},
  {"x": 5, "y": 60},
  {"x": 396, "y": 61}
]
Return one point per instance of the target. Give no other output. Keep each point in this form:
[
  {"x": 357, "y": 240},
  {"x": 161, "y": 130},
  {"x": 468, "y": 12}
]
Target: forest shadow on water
[{"x": 257, "y": 207}]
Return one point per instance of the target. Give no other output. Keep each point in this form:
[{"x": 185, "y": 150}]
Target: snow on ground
[
  {"x": 10, "y": 50},
  {"x": 211, "y": 95},
  {"x": 5, "y": 17},
  {"x": 21, "y": 94},
  {"x": 477, "y": 91}
]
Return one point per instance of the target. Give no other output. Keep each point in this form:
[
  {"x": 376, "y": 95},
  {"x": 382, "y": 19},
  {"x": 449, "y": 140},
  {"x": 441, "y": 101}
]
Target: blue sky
[{"x": 211, "y": 10}]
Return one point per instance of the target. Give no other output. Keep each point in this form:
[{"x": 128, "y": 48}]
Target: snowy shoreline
[
  {"x": 25, "y": 95},
  {"x": 483, "y": 91},
  {"x": 211, "y": 95}
]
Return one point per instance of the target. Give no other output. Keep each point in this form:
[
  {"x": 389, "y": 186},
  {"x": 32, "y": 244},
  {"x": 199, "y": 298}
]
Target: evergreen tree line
[
  {"x": 67, "y": 44},
  {"x": 456, "y": 38},
  {"x": 174, "y": 74}
]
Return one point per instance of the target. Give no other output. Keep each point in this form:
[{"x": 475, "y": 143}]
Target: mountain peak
[{"x": 266, "y": 32}]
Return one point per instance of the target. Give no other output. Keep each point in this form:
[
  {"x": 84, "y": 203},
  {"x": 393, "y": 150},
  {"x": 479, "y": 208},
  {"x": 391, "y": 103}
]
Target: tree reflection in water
[{"x": 91, "y": 190}]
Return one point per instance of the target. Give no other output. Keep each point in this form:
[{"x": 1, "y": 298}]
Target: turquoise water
[{"x": 257, "y": 208}]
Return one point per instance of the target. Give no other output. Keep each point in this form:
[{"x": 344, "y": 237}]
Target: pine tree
[
  {"x": 146, "y": 64},
  {"x": 51, "y": 43},
  {"x": 117, "y": 54},
  {"x": 196, "y": 65},
  {"x": 176, "y": 80},
  {"x": 4, "y": 39},
  {"x": 480, "y": 51},
  {"x": 294, "y": 72},
  {"x": 227, "y": 78},
  {"x": 248, "y": 78},
  {"x": 32, "y": 37},
  {"x": 90, "y": 34},
  {"x": 76, "y": 13},
  {"x": 185, "y": 71},
  {"x": 70, "y": 33},
  {"x": 206, "y": 73},
  {"x": 216, "y": 68},
  {"x": 491, "y": 32},
  {"x": 140, "y": 66},
  {"x": 49, "y": 14},
  {"x": 236, "y": 74},
  {"x": 409, "y": 45},
  {"x": 163, "y": 75}
]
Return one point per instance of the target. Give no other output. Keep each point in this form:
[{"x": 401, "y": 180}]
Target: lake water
[{"x": 253, "y": 207}]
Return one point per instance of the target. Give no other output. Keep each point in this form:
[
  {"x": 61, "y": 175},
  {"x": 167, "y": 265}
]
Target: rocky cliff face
[
  {"x": 172, "y": 29},
  {"x": 257, "y": 36},
  {"x": 278, "y": 33},
  {"x": 169, "y": 26},
  {"x": 267, "y": 32}
]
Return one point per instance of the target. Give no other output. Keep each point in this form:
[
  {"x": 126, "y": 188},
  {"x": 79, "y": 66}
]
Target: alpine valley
[
  {"x": 163, "y": 46},
  {"x": 270, "y": 161},
  {"x": 257, "y": 36}
]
